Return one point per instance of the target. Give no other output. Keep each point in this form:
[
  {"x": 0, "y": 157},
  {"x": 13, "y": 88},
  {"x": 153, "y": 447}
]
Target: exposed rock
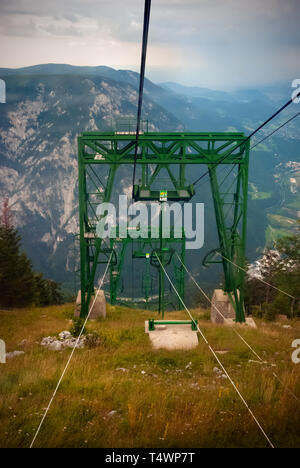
[
  {"x": 13, "y": 354},
  {"x": 248, "y": 323},
  {"x": 47, "y": 340},
  {"x": 23, "y": 342},
  {"x": 66, "y": 340},
  {"x": 220, "y": 373},
  {"x": 64, "y": 335},
  {"x": 71, "y": 342},
  {"x": 56, "y": 345}
]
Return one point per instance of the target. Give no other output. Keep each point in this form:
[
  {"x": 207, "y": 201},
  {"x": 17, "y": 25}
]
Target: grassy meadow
[{"x": 124, "y": 394}]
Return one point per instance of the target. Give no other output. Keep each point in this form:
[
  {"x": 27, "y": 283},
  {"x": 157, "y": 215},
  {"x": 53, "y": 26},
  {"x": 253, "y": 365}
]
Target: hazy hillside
[
  {"x": 49, "y": 105},
  {"x": 38, "y": 153}
]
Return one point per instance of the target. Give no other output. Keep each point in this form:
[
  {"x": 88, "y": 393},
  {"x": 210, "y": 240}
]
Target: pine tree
[
  {"x": 47, "y": 291},
  {"x": 20, "y": 286},
  {"x": 16, "y": 275}
]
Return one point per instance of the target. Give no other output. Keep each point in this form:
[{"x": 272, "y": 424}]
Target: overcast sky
[{"x": 213, "y": 43}]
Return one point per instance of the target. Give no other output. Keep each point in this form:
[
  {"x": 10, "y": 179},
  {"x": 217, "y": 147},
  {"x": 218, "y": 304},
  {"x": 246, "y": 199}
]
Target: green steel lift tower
[{"x": 102, "y": 154}]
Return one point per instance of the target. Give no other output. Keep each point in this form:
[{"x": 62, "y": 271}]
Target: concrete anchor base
[
  {"x": 172, "y": 337},
  {"x": 221, "y": 304},
  {"x": 249, "y": 323},
  {"x": 99, "y": 308}
]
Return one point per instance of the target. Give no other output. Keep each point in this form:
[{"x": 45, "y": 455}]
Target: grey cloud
[
  {"x": 171, "y": 20},
  {"x": 209, "y": 34}
]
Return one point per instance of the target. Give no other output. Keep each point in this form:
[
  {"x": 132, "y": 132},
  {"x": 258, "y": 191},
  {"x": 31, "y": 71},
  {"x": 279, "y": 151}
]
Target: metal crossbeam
[{"x": 161, "y": 148}]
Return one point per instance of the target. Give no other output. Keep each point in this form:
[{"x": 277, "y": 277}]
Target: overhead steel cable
[
  {"x": 217, "y": 359},
  {"x": 141, "y": 86},
  {"x": 261, "y": 141},
  {"x": 248, "y": 137},
  {"x": 276, "y": 130}
]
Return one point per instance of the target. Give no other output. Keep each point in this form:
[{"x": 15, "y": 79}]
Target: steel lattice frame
[
  {"x": 142, "y": 248},
  {"x": 166, "y": 150}
]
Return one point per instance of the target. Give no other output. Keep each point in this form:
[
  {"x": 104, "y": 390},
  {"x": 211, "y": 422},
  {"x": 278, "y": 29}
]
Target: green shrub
[
  {"x": 77, "y": 326},
  {"x": 269, "y": 312},
  {"x": 92, "y": 340},
  {"x": 257, "y": 311}
]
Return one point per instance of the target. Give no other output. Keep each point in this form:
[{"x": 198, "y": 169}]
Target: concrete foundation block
[
  {"x": 172, "y": 337},
  {"x": 249, "y": 323},
  {"x": 221, "y": 302},
  {"x": 99, "y": 307}
]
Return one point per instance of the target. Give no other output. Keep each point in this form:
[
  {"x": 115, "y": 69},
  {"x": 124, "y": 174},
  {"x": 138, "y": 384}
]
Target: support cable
[
  {"x": 236, "y": 332},
  {"x": 259, "y": 279},
  {"x": 141, "y": 87},
  {"x": 70, "y": 357},
  {"x": 261, "y": 141},
  {"x": 274, "y": 131},
  {"x": 217, "y": 359},
  {"x": 249, "y": 137}
]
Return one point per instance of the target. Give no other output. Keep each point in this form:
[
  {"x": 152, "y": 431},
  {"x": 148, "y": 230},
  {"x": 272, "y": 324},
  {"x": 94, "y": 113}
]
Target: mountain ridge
[{"x": 45, "y": 112}]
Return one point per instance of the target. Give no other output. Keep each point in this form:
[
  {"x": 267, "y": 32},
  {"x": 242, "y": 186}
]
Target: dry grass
[{"x": 160, "y": 400}]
